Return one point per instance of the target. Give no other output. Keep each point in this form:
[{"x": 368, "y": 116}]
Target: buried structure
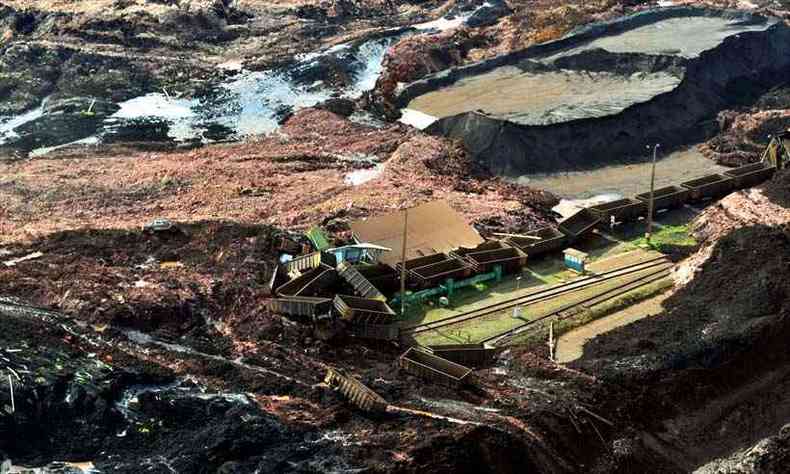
[
  {"x": 439, "y": 253},
  {"x": 605, "y": 90}
]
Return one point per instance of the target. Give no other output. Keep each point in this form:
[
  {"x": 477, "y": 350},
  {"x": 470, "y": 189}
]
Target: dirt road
[{"x": 570, "y": 346}]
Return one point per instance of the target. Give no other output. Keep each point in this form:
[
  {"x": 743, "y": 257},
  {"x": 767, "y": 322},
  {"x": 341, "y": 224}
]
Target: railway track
[
  {"x": 537, "y": 297},
  {"x": 645, "y": 280}
]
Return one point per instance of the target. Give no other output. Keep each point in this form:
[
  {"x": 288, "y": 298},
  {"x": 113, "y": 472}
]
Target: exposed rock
[
  {"x": 487, "y": 15},
  {"x": 342, "y": 107}
]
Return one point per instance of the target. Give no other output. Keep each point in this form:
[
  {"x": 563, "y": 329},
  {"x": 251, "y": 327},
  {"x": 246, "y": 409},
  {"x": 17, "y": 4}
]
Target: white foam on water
[
  {"x": 258, "y": 95},
  {"x": 155, "y": 105},
  {"x": 7, "y": 128},
  {"x": 178, "y": 112},
  {"x": 303, "y": 57},
  {"x": 372, "y": 55}
]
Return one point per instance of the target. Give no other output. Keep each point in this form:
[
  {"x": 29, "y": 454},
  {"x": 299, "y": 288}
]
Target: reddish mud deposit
[{"x": 156, "y": 351}]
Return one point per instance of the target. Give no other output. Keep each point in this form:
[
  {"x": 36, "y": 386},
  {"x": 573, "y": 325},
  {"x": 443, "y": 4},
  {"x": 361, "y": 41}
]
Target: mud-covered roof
[{"x": 432, "y": 228}]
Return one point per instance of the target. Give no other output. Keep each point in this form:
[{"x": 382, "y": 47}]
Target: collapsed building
[{"x": 430, "y": 251}]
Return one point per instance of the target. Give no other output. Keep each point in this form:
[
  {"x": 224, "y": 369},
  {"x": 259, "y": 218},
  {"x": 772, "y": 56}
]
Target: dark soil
[
  {"x": 739, "y": 293},
  {"x": 726, "y": 76},
  {"x": 166, "y": 282},
  {"x": 778, "y": 190}
]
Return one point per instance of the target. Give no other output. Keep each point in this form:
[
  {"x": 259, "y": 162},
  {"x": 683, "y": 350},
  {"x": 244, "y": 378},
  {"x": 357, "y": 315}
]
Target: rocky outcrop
[{"x": 489, "y": 14}]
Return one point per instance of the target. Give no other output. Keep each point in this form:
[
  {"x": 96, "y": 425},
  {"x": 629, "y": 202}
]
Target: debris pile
[
  {"x": 294, "y": 180},
  {"x": 743, "y": 135},
  {"x": 151, "y": 281},
  {"x": 735, "y": 301},
  {"x": 415, "y": 57},
  {"x": 763, "y": 205}
]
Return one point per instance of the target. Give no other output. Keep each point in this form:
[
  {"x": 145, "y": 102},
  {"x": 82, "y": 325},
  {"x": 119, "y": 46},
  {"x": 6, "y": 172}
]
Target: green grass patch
[
  {"x": 501, "y": 321},
  {"x": 540, "y": 333},
  {"x": 470, "y": 298},
  {"x": 667, "y": 237}
]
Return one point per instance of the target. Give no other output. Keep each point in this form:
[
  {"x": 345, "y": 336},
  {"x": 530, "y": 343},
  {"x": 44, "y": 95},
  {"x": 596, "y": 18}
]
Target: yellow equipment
[{"x": 777, "y": 153}]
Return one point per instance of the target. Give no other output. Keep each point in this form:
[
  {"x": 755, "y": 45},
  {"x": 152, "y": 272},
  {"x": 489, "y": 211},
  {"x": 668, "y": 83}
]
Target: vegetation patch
[
  {"x": 669, "y": 239},
  {"x": 540, "y": 333}
]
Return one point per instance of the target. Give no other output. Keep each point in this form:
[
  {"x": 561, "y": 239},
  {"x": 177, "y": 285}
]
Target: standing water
[
  {"x": 251, "y": 103},
  {"x": 585, "y": 188}
]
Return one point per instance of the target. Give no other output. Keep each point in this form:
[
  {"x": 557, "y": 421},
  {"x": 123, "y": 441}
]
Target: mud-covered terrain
[
  {"x": 718, "y": 347},
  {"x": 131, "y": 350},
  {"x": 187, "y": 73},
  {"x": 320, "y": 168},
  {"x": 601, "y": 94}
]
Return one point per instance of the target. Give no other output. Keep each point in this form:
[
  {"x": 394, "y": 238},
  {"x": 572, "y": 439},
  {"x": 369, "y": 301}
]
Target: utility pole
[
  {"x": 11, "y": 388},
  {"x": 403, "y": 263},
  {"x": 650, "y": 203}
]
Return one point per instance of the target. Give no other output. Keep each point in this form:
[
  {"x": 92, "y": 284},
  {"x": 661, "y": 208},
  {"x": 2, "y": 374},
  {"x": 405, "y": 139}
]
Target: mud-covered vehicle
[{"x": 160, "y": 226}]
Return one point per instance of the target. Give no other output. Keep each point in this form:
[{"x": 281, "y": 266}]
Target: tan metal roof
[
  {"x": 576, "y": 253},
  {"x": 433, "y": 228}
]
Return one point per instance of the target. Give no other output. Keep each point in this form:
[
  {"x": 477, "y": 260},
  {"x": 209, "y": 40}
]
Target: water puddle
[
  {"x": 541, "y": 98},
  {"x": 428, "y": 414},
  {"x": 8, "y": 127},
  {"x": 130, "y": 398},
  {"x": 93, "y": 140},
  {"x": 251, "y": 103},
  {"x": 129, "y": 402},
  {"x": 683, "y": 36}
]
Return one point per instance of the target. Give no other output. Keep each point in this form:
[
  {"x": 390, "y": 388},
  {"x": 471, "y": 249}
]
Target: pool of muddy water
[
  {"x": 685, "y": 36},
  {"x": 540, "y": 92},
  {"x": 586, "y": 188},
  {"x": 531, "y": 98},
  {"x": 249, "y": 103}
]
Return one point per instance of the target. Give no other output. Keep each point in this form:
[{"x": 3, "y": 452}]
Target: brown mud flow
[
  {"x": 624, "y": 179},
  {"x": 158, "y": 351},
  {"x": 599, "y": 95}
]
